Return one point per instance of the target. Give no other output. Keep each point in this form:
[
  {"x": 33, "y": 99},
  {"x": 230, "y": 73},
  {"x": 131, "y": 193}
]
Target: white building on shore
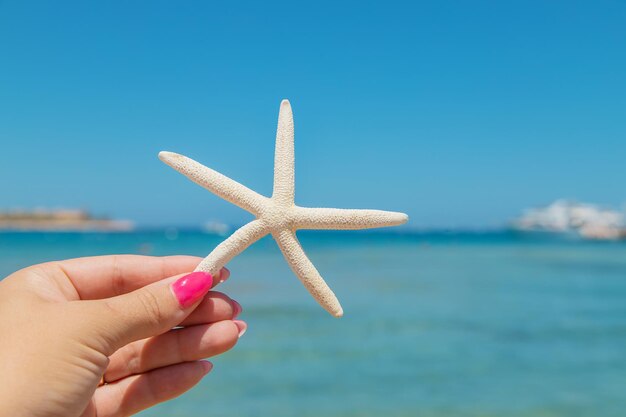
[{"x": 562, "y": 216}]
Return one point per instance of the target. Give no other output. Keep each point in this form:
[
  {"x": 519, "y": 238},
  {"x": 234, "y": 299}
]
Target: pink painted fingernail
[
  {"x": 237, "y": 309},
  {"x": 191, "y": 288},
  {"x": 242, "y": 326}
]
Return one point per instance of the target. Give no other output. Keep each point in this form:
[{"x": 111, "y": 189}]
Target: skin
[{"x": 68, "y": 326}]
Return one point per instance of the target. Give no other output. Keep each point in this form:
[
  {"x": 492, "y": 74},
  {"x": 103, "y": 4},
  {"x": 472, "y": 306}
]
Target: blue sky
[{"x": 458, "y": 113}]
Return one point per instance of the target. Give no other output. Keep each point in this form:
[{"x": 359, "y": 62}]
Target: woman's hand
[{"x": 95, "y": 336}]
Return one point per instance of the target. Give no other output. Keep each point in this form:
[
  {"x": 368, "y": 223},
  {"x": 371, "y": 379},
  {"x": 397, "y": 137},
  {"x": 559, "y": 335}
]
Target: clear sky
[{"x": 460, "y": 113}]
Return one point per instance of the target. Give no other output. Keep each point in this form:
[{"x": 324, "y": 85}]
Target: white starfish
[{"x": 278, "y": 215}]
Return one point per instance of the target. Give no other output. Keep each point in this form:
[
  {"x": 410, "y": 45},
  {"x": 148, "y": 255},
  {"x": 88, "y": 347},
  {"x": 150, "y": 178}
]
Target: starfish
[{"x": 278, "y": 215}]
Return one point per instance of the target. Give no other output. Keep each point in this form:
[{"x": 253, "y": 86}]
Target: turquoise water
[{"x": 436, "y": 324}]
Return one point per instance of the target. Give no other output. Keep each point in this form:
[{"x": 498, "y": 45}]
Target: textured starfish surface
[{"x": 279, "y": 215}]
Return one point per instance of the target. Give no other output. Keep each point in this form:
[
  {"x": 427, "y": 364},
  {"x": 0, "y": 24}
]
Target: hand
[{"x": 94, "y": 336}]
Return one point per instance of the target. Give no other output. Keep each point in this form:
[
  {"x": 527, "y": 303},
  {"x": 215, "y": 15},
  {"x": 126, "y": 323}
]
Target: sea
[{"x": 436, "y": 324}]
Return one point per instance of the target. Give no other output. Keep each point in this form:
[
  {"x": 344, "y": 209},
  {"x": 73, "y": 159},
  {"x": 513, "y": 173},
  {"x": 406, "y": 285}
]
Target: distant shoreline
[
  {"x": 95, "y": 226},
  {"x": 42, "y": 220}
]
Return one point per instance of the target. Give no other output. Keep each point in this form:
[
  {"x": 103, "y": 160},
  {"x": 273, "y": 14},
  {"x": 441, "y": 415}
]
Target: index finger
[{"x": 108, "y": 276}]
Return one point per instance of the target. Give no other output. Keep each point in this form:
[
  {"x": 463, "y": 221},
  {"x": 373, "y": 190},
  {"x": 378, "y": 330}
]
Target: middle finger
[
  {"x": 215, "y": 306},
  {"x": 178, "y": 345}
]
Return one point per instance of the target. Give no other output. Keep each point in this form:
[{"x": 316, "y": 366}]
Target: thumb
[{"x": 153, "y": 309}]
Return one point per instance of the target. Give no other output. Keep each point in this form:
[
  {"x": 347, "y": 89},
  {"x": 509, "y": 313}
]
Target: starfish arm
[
  {"x": 284, "y": 159},
  {"x": 215, "y": 182},
  {"x": 332, "y": 218},
  {"x": 306, "y": 272},
  {"x": 233, "y": 246}
]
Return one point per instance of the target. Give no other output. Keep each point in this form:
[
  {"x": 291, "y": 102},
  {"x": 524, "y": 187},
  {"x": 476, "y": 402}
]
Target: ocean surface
[{"x": 436, "y": 324}]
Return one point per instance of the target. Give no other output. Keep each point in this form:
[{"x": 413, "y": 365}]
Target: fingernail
[
  {"x": 207, "y": 366},
  {"x": 238, "y": 309},
  {"x": 224, "y": 274},
  {"x": 242, "y": 326},
  {"x": 191, "y": 288}
]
